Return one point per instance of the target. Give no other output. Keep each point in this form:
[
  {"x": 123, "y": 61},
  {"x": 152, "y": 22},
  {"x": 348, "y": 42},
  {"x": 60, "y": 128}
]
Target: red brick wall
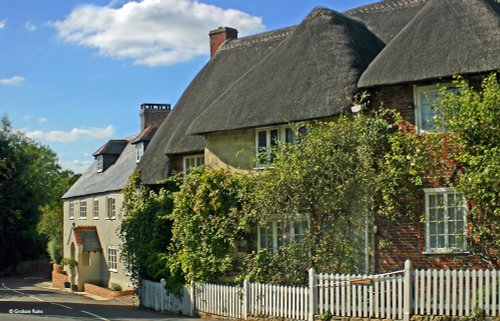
[
  {"x": 103, "y": 292},
  {"x": 58, "y": 279},
  {"x": 405, "y": 239}
]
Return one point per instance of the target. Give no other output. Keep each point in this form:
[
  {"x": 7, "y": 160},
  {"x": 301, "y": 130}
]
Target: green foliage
[
  {"x": 335, "y": 176},
  {"x": 472, "y": 118},
  {"x": 115, "y": 287},
  {"x": 327, "y": 315},
  {"x": 465, "y": 156},
  {"x": 54, "y": 249},
  {"x": 51, "y": 220},
  {"x": 146, "y": 229},
  {"x": 209, "y": 220},
  {"x": 288, "y": 267},
  {"x": 30, "y": 180},
  {"x": 70, "y": 262}
]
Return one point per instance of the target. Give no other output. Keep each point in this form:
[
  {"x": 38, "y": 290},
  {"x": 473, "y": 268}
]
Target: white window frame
[
  {"x": 83, "y": 210},
  {"x": 445, "y": 191},
  {"x": 110, "y": 207},
  {"x": 112, "y": 258},
  {"x": 139, "y": 151},
  {"x": 282, "y": 138},
  {"x": 418, "y": 93},
  {"x": 71, "y": 210},
  {"x": 100, "y": 163},
  {"x": 275, "y": 225},
  {"x": 199, "y": 160},
  {"x": 95, "y": 208}
]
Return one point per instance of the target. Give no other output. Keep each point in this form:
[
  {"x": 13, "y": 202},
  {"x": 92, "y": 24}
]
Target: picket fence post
[
  {"x": 407, "y": 291},
  {"x": 192, "y": 290},
  {"x": 312, "y": 296},
  {"x": 246, "y": 299},
  {"x": 162, "y": 294}
]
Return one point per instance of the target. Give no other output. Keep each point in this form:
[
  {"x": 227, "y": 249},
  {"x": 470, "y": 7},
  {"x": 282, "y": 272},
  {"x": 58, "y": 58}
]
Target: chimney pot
[
  {"x": 219, "y": 36},
  {"x": 153, "y": 114}
]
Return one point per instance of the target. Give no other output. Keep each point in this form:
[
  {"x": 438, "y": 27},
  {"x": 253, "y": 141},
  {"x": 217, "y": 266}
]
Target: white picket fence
[
  {"x": 362, "y": 296},
  {"x": 278, "y": 301},
  {"x": 154, "y": 295},
  {"x": 219, "y": 300},
  {"x": 396, "y": 295},
  {"x": 456, "y": 292}
]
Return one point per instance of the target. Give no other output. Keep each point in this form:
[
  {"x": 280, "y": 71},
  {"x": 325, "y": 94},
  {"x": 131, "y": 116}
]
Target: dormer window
[
  {"x": 139, "y": 151},
  {"x": 100, "y": 163}
]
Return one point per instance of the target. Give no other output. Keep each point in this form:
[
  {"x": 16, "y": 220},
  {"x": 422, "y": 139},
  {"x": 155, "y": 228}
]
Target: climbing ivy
[{"x": 209, "y": 221}]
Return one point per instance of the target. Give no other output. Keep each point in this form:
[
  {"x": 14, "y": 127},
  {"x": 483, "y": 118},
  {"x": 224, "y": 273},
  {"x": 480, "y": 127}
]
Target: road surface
[{"x": 22, "y": 299}]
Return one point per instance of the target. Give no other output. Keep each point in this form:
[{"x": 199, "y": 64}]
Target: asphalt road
[{"x": 22, "y": 299}]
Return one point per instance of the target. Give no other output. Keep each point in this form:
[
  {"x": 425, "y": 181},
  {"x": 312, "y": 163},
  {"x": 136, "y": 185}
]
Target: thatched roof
[
  {"x": 311, "y": 74},
  {"x": 112, "y": 179},
  {"x": 387, "y": 18},
  {"x": 447, "y": 37},
  {"x": 231, "y": 61}
]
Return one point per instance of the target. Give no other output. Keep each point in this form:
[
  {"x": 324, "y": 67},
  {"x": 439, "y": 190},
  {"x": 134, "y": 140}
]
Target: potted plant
[{"x": 70, "y": 262}]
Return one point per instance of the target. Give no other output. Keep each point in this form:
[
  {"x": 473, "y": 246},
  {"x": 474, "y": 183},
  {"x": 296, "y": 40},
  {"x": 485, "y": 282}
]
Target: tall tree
[{"x": 30, "y": 179}]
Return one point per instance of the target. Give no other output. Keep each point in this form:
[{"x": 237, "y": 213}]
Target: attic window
[
  {"x": 139, "y": 151},
  {"x": 100, "y": 163}
]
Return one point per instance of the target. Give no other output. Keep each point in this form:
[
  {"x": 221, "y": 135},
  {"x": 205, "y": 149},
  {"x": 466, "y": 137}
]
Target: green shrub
[
  {"x": 115, "y": 287},
  {"x": 54, "y": 248}
]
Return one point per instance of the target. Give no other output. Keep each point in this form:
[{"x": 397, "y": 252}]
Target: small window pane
[
  {"x": 289, "y": 136},
  {"x": 433, "y": 241},
  {"x": 262, "y": 140},
  {"x": 441, "y": 241},
  {"x": 440, "y": 214},
  {"x": 432, "y": 200},
  {"x": 274, "y": 137}
]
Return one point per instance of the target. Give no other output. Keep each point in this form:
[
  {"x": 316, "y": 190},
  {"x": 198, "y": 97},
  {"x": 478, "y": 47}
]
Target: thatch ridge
[{"x": 311, "y": 74}]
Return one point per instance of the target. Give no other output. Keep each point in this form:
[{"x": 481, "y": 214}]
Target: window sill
[
  {"x": 95, "y": 218},
  {"x": 113, "y": 270},
  {"x": 445, "y": 251},
  {"x": 263, "y": 167},
  {"x": 82, "y": 218},
  {"x": 110, "y": 218}
]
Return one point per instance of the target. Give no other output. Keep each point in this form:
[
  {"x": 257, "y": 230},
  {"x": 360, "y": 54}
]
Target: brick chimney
[
  {"x": 153, "y": 114},
  {"x": 218, "y": 36}
]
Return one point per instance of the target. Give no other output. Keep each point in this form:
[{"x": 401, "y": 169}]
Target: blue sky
[{"x": 74, "y": 73}]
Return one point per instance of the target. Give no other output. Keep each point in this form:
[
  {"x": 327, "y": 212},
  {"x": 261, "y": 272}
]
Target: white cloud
[
  {"x": 16, "y": 80},
  {"x": 3, "y": 22},
  {"x": 41, "y": 120},
  {"x": 29, "y": 26},
  {"x": 58, "y": 136},
  {"x": 77, "y": 166},
  {"x": 152, "y": 32}
]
